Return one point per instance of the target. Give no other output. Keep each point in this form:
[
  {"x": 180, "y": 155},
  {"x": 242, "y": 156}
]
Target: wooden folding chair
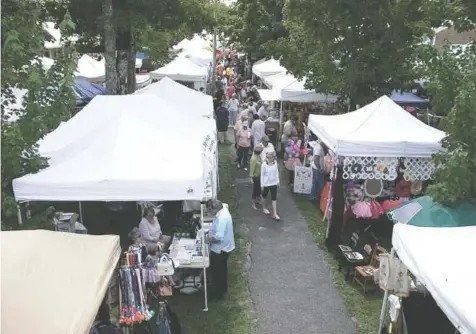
[{"x": 364, "y": 275}]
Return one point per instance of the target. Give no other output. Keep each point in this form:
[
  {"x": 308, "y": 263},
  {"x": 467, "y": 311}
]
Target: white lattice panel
[
  {"x": 418, "y": 169},
  {"x": 364, "y": 168}
]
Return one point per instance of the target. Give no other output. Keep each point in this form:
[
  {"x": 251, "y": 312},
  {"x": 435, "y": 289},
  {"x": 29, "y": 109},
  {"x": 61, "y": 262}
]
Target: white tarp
[
  {"x": 91, "y": 69},
  {"x": 380, "y": 129},
  {"x": 182, "y": 69},
  {"x": 291, "y": 89},
  {"x": 268, "y": 95},
  {"x": 118, "y": 149},
  {"x": 188, "y": 100},
  {"x": 429, "y": 253},
  {"x": 197, "y": 42},
  {"x": 267, "y": 68},
  {"x": 54, "y": 282},
  {"x": 199, "y": 56}
]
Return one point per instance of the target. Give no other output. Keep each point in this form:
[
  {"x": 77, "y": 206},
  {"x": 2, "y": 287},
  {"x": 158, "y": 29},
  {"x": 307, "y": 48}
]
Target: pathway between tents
[{"x": 289, "y": 278}]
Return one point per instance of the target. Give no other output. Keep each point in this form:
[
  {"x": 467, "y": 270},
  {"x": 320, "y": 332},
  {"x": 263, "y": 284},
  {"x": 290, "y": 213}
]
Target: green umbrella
[{"x": 424, "y": 212}]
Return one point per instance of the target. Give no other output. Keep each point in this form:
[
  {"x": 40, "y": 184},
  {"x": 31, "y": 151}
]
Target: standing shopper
[
  {"x": 255, "y": 175},
  {"x": 222, "y": 119},
  {"x": 222, "y": 242},
  {"x": 258, "y": 129},
  {"x": 269, "y": 183},
  {"x": 243, "y": 138},
  {"x": 266, "y": 146},
  {"x": 318, "y": 170},
  {"x": 233, "y": 105},
  {"x": 293, "y": 150}
]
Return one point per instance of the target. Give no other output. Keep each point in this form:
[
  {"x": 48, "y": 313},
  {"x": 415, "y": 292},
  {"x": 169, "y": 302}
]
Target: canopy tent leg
[
  {"x": 202, "y": 235},
  {"x": 80, "y": 213},
  {"x": 20, "y": 220},
  {"x": 280, "y": 127},
  {"x": 382, "y": 311}
]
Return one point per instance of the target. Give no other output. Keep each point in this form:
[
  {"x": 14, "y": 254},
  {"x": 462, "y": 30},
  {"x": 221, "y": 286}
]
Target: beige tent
[{"x": 54, "y": 282}]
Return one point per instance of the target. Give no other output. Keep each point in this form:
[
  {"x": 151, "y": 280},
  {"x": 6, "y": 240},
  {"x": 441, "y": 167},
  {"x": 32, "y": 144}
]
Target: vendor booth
[
  {"x": 381, "y": 155},
  {"x": 54, "y": 282},
  {"x": 184, "y": 70},
  {"x": 181, "y": 96},
  {"x": 267, "y": 68}
]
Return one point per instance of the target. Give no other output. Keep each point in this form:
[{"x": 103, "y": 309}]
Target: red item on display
[
  {"x": 403, "y": 188},
  {"x": 325, "y": 196}
]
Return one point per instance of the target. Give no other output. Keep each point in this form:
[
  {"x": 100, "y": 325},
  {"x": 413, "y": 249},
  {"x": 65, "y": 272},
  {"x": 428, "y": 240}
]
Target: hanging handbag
[
  {"x": 165, "y": 266},
  {"x": 165, "y": 289}
]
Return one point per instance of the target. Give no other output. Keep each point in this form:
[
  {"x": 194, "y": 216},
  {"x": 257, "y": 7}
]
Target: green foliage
[
  {"x": 255, "y": 23},
  {"x": 48, "y": 97},
  {"x": 355, "y": 49},
  {"x": 456, "y": 174}
]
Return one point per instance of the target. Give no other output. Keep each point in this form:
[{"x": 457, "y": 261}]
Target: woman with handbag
[{"x": 269, "y": 179}]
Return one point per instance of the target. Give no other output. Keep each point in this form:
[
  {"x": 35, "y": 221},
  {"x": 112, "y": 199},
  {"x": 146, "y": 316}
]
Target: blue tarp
[
  {"x": 407, "y": 98},
  {"x": 86, "y": 91},
  {"x": 142, "y": 55}
]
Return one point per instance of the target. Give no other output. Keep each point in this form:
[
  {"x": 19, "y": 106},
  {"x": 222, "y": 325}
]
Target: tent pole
[
  {"x": 80, "y": 212},
  {"x": 20, "y": 221},
  {"x": 202, "y": 236},
  {"x": 281, "y": 116}
]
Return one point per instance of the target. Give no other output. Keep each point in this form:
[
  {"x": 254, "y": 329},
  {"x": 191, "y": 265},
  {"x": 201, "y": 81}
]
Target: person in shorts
[{"x": 269, "y": 179}]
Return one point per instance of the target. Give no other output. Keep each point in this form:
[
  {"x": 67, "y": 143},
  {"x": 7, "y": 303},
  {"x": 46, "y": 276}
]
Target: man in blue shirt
[{"x": 222, "y": 243}]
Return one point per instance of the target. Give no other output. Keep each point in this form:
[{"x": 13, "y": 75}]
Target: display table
[{"x": 193, "y": 254}]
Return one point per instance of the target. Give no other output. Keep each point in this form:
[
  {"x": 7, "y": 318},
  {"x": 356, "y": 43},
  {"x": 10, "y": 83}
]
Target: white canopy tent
[
  {"x": 451, "y": 287},
  {"x": 267, "y": 68},
  {"x": 63, "y": 278},
  {"x": 128, "y": 159},
  {"x": 188, "y": 100},
  {"x": 290, "y": 89},
  {"x": 268, "y": 95},
  {"x": 91, "y": 69},
  {"x": 183, "y": 69},
  {"x": 200, "y": 57},
  {"x": 197, "y": 42},
  {"x": 380, "y": 129}
]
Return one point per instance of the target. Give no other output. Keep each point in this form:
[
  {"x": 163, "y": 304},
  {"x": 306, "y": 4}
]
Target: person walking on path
[
  {"x": 243, "y": 137},
  {"x": 266, "y": 147},
  {"x": 222, "y": 119},
  {"x": 255, "y": 175},
  {"x": 269, "y": 179},
  {"x": 233, "y": 105},
  {"x": 258, "y": 129},
  {"x": 222, "y": 240}
]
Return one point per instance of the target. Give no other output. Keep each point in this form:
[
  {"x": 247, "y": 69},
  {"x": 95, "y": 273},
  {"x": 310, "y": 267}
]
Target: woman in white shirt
[
  {"x": 151, "y": 233},
  {"x": 267, "y": 147},
  {"x": 270, "y": 183}
]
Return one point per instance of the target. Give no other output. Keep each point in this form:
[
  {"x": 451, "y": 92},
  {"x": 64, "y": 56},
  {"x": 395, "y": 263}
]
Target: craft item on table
[
  {"x": 184, "y": 257},
  {"x": 390, "y": 204},
  {"x": 361, "y": 209},
  {"x": 165, "y": 266},
  {"x": 376, "y": 209},
  {"x": 373, "y": 188}
]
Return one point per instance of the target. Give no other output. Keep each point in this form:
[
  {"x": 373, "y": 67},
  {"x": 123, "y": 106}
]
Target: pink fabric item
[
  {"x": 376, "y": 209},
  {"x": 291, "y": 163},
  {"x": 362, "y": 209},
  {"x": 389, "y": 204}
]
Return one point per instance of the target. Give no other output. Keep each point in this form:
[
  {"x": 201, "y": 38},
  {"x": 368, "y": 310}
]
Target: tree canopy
[{"x": 34, "y": 101}]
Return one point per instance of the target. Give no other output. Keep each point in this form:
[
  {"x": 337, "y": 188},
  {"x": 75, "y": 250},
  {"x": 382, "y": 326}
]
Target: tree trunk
[
  {"x": 121, "y": 64},
  {"x": 109, "y": 47},
  {"x": 131, "y": 65}
]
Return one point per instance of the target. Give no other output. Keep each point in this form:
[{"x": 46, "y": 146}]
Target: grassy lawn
[
  {"x": 234, "y": 314},
  {"x": 365, "y": 309}
]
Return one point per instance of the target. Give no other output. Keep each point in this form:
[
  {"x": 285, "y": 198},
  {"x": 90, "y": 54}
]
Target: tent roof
[
  {"x": 267, "y": 68},
  {"x": 107, "y": 153},
  {"x": 70, "y": 275},
  {"x": 268, "y": 95},
  {"x": 181, "y": 96},
  {"x": 291, "y": 89},
  {"x": 91, "y": 68},
  {"x": 197, "y": 42},
  {"x": 408, "y": 98},
  {"x": 381, "y": 129},
  {"x": 181, "y": 69},
  {"x": 428, "y": 252},
  {"x": 199, "y": 57}
]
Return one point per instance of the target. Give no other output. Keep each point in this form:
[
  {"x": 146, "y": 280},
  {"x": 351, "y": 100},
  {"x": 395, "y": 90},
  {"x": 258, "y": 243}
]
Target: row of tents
[{"x": 283, "y": 86}]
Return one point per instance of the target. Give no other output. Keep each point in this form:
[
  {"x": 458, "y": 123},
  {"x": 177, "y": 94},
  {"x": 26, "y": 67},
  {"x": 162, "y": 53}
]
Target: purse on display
[
  {"x": 165, "y": 288},
  {"x": 165, "y": 266}
]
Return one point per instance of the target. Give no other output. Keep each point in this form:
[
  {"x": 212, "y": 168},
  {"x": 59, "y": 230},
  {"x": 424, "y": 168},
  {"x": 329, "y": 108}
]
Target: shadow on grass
[
  {"x": 234, "y": 314},
  {"x": 364, "y": 308}
]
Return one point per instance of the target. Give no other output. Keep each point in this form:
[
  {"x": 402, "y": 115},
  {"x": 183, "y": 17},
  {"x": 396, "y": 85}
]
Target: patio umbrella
[{"x": 424, "y": 212}]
